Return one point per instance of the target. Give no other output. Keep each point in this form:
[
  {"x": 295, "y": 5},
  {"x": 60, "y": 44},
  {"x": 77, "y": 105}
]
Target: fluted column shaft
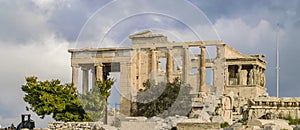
[
  {"x": 85, "y": 80},
  {"x": 93, "y": 71},
  {"x": 99, "y": 72},
  {"x": 75, "y": 76},
  {"x": 202, "y": 70},
  {"x": 226, "y": 76},
  {"x": 170, "y": 66},
  {"x": 186, "y": 64},
  {"x": 153, "y": 64}
]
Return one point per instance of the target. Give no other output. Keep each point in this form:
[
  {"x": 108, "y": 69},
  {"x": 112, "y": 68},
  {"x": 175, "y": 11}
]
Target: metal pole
[{"x": 277, "y": 62}]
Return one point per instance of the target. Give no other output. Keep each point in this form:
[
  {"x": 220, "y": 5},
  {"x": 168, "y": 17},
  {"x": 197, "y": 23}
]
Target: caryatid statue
[{"x": 250, "y": 77}]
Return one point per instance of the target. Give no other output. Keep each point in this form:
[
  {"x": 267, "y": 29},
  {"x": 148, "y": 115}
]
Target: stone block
[
  {"x": 282, "y": 124},
  {"x": 141, "y": 118},
  {"x": 255, "y": 122},
  {"x": 137, "y": 125},
  {"x": 297, "y": 127},
  {"x": 204, "y": 117},
  {"x": 217, "y": 119},
  {"x": 197, "y": 126},
  {"x": 254, "y": 128},
  {"x": 271, "y": 127}
]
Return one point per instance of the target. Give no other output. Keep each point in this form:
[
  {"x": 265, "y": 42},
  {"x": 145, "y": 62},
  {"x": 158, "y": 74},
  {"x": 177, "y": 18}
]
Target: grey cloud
[
  {"x": 68, "y": 21},
  {"x": 216, "y": 9},
  {"x": 127, "y": 11},
  {"x": 251, "y": 11},
  {"x": 47, "y": 59},
  {"x": 20, "y": 23}
]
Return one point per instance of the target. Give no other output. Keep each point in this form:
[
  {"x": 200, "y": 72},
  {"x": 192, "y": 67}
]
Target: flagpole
[{"x": 277, "y": 61}]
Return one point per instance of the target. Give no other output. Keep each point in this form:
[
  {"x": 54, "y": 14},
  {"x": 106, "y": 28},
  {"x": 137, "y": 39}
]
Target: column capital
[
  {"x": 75, "y": 65},
  {"x": 185, "y": 47},
  {"x": 152, "y": 48},
  {"x": 138, "y": 49},
  {"x": 93, "y": 69},
  {"x": 169, "y": 50},
  {"x": 255, "y": 66},
  {"x": 203, "y": 49},
  {"x": 99, "y": 64},
  {"x": 239, "y": 67},
  {"x": 84, "y": 68},
  {"x": 169, "y": 47},
  {"x": 125, "y": 63}
]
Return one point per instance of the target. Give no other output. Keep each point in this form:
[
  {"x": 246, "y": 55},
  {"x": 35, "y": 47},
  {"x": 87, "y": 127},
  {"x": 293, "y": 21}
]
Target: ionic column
[
  {"x": 85, "y": 80},
  {"x": 139, "y": 67},
  {"x": 170, "y": 66},
  {"x": 153, "y": 64},
  {"x": 75, "y": 76},
  {"x": 93, "y": 71},
  {"x": 99, "y": 72},
  {"x": 186, "y": 64},
  {"x": 202, "y": 71}
]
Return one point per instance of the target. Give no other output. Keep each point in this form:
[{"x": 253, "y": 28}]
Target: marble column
[
  {"x": 93, "y": 72},
  {"x": 85, "y": 80},
  {"x": 75, "y": 76},
  {"x": 226, "y": 76},
  {"x": 139, "y": 67},
  {"x": 170, "y": 66},
  {"x": 186, "y": 64},
  {"x": 153, "y": 64},
  {"x": 202, "y": 71},
  {"x": 99, "y": 72}
]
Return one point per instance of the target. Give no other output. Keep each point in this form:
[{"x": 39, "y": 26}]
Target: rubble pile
[
  {"x": 80, "y": 125},
  {"x": 167, "y": 123}
]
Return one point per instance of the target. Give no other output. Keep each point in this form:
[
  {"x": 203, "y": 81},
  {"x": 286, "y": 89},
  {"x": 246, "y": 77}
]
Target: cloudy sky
[{"x": 36, "y": 34}]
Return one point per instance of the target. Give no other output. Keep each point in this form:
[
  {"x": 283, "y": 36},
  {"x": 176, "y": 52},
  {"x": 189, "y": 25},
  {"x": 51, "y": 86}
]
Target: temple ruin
[{"x": 236, "y": 77}]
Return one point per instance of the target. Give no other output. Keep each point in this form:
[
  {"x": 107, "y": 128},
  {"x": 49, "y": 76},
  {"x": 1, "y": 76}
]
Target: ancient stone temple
[{"x": 152, "y": 56}]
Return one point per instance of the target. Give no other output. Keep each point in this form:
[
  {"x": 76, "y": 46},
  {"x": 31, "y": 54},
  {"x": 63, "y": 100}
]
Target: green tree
[
  {"x": 93, "y": 103},
  {"x": 105, "y": 88},
  {"x": 53, "y": 98},
  {"x": 224, "y": 125},
  {"x": 155, "y": 99}
]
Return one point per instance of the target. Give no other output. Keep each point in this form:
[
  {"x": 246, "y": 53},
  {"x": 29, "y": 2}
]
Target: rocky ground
[
  {"x": 260, "y": 124},
  {"x": 171, "y": 123}
]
